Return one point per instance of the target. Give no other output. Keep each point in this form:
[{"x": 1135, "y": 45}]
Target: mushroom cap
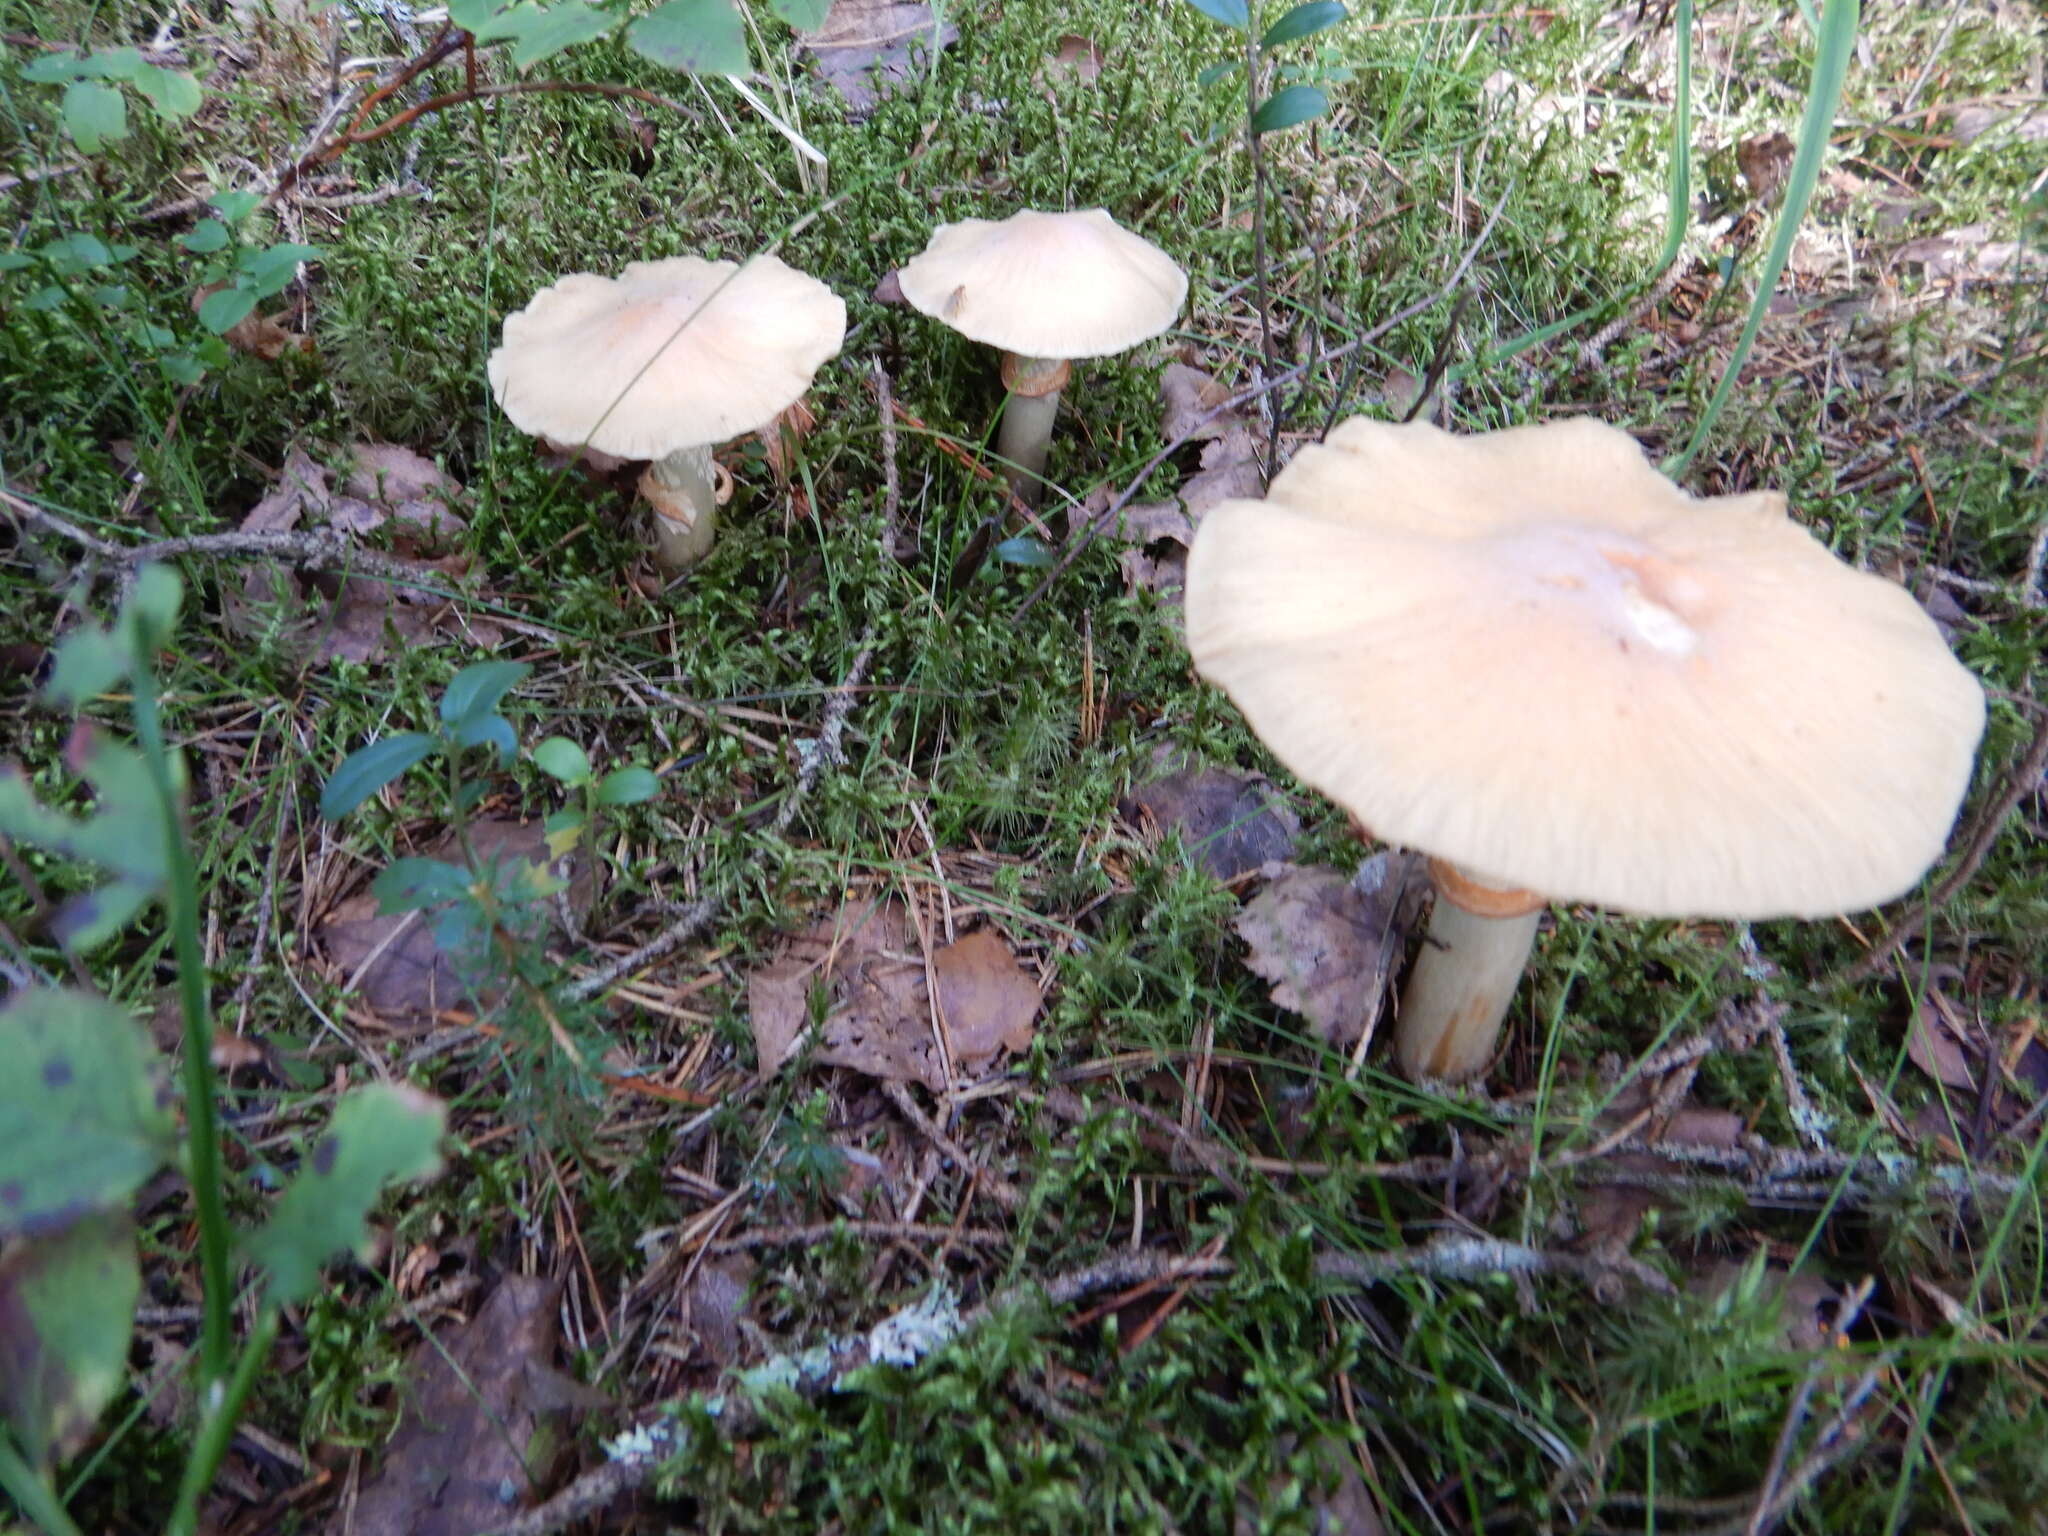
[
  {"x": 1046, "y": 284},
  {"x": 1529, "y": 653},
  {"x": 668, "y": 355}
]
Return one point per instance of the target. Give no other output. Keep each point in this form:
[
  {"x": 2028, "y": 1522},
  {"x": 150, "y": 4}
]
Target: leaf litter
[
  {"x": 396, "y": 968},
  {"x": 1329, "y": 943},
  {"x": 867, "y": 49},
  {"x": 326, "y": 617},
  {"x": 1232, "y": 824},
  {"x": 485, "y": 1423},
  {"x": 865, "y": 967}
]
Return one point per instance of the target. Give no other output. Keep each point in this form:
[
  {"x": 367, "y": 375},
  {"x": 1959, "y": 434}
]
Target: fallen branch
[
  {"x": 316, "y": 548},
  {"x": 907, "y": 1336}
]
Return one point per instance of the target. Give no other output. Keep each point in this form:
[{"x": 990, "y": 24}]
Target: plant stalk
[
  {"x": 1270, "y": 401},
  {"x": 202, "y": 1138},
  {"x": 217, "y": 1428},
  {"x": 32, "y": 1496}
]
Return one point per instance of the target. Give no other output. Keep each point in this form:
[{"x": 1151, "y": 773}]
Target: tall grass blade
[{"x": 1830, "y": 66}]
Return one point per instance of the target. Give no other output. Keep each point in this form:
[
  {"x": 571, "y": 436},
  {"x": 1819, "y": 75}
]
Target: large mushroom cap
[
  {"x": 1529, "y": 653},
  {"x": 1047, "y": 284},
  {"x": 667, "y": 355}
]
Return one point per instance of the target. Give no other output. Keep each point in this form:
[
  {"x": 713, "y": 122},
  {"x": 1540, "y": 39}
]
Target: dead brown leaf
[
  {"x": 715, "y": 1307},
  {"x": 1335, "y": 1497},
  {"x": 1076, "y": 57},
  {"x": 867, "y": 48},
  {"x": 877, "y": 1006},
  {"x": 324, "y": 617},
  {"x": 482, "y": 1431},
  {"x": 988, "y": 1000},
  {"x": 1231, "y": 824},
  {"x": 1187, "y": 396},
  {"x": 1230, "y": 471},
  {"x": 1328, "y": 947},
  {"x": 257, "y": 335},
  {"x": 1970, "y": 252},
  {"x": 1939, "y": 1041},
  {"x": 397, "y": 483},
  {"x": 399, "y": 971},
  {"x": 1801, "y": 1294}
]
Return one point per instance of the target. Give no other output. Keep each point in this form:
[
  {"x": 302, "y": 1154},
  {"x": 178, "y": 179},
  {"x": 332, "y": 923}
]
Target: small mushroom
[
  {"x": 1529, "y": 655},
  {"x": 663, "y": 362},
  {"x": 1045, "y": 288}
]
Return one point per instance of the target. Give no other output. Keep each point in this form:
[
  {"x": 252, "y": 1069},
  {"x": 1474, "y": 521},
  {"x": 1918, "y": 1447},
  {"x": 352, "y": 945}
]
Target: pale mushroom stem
[
  {"x": 685, "y": 502},
  {"x": 1466, "y": 975},
  {"x": 1034, "y": 384}
]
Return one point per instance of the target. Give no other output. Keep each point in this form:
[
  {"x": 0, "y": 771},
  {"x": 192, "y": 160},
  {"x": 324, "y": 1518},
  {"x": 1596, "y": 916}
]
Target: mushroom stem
[
  {"x": 1034, "y": 384},
  {"x": 1471, "y": 962},
  {"x": 685, "y": 503}
]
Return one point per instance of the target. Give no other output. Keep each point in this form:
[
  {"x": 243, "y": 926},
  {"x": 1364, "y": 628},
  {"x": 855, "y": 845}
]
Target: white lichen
[{"x": 908, "y": 1336}]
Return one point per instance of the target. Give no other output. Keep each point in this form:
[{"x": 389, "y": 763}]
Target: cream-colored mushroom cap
[
  {"x": 1047, "y": 284},
  {"x": 1529, "y": 653},
  {"x": 667, "y": 355}
]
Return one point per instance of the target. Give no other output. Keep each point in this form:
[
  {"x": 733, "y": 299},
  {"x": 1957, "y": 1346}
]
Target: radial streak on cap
[
  {"x": 662, "y": 362},
  {"x": 1528, "y": 653}
]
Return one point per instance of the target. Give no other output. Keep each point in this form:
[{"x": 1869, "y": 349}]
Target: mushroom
[
  {"x": 1529, "y": 655},
  {"x": 663, "y": 362},
  {"x": 1045, "y": 288}
]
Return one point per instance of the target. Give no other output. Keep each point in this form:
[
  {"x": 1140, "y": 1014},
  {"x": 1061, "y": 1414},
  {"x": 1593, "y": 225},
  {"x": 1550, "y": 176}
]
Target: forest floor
[{"x": 923, "y": 991}]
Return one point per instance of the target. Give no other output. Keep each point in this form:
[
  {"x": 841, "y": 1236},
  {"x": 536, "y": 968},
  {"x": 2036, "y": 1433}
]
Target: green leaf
[
  {"x": 406, "y": 885},
  {"x": 149, "y": 614},
  {"x": 67, "y": 1312},
  {"x": 45, "y": 298},
  {"x": 1232, "y": 13},
  {"x": 172, "y": 92},
  {"x": 491, "y": 730},
  {"x": 365, "y": 771},
  {"x": 89, "y": 662},
  {"x": 561, "y": 759},
  {"x": 564, "y": 831},
  {"x": 1289, "y": 107},
  {"x": 698, "y": 37},
  {"x": 472, "y": 16},
  {"x": 226, "y": 308},
  {"x": 1304, "y": 21},
  {"x": 205, "y": 237},
  {"x": 233, "y": 207},
  {"x": 1215, "y": 72},
  {"x": 82, "y": 1120},
  {"x": 72, "y": 254},
  {"x": 94, "y": 115},
  {"x": 181, "y": 367},
  {"x": 1022, "y": 550},
  {"x": 114, "y": 64},
  {"x": 539, "y": 32},
  {"x": 124, "y": 834},
  {"x": 379, "y": 1134},
  {"x": 270, "y": 269},
  {"x": 14, "y": 261},
  {"x": 804, "y": 15},
  {"x": 54, "y": 69},
  {"x": 628, "y": 786},
  {"x": 477, "y": 688}
]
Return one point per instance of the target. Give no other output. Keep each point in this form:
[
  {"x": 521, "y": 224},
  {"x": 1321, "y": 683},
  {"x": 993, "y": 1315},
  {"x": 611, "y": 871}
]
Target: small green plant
[
  {"x": 84, "y": 1120},
  {"x": 94, "y": 111},
  {"x": 1300, "y": 98},
  {"x": 487, "y": 911}
]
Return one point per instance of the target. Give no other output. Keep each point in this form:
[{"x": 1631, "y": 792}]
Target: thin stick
[
  {"x": 693, "y": 920},
  {"x": 997, "y": 1188},
  {"x": 2022, "y": 780},
  {"x": 1108, "y": 518}
]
